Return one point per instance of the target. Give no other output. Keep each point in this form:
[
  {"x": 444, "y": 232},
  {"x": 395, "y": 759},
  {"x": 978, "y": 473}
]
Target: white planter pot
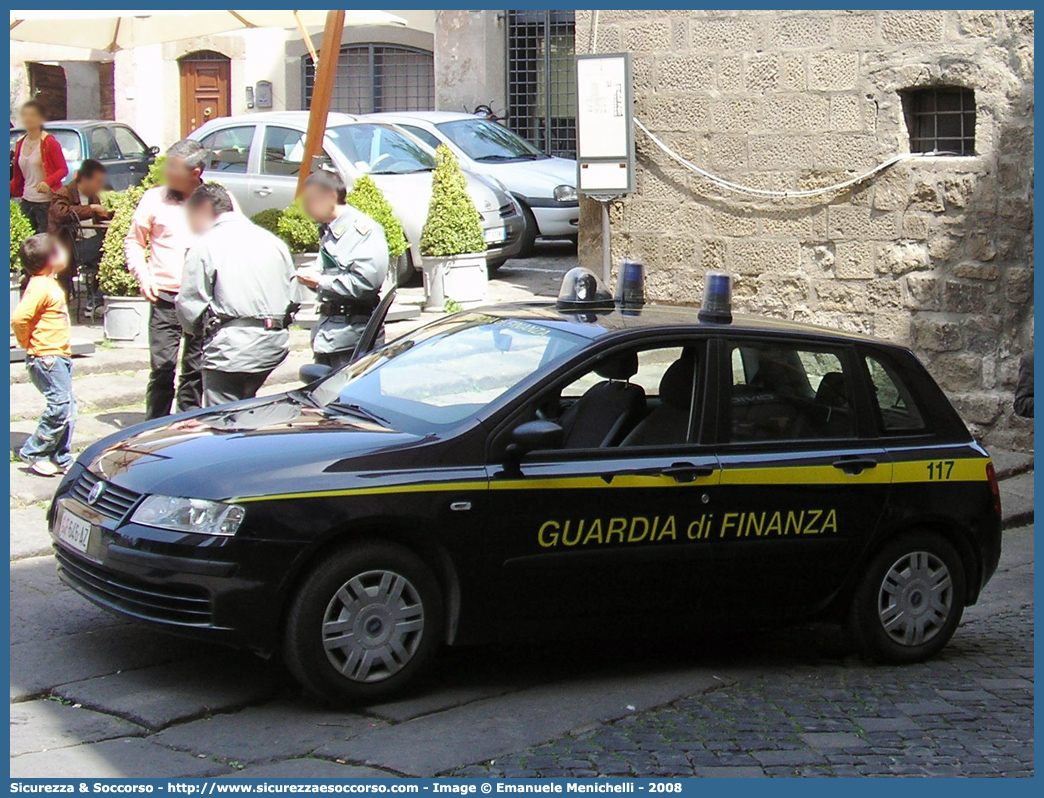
[
  {"x": 126, "y": 320},
  {"x": 462, "y": 278}
]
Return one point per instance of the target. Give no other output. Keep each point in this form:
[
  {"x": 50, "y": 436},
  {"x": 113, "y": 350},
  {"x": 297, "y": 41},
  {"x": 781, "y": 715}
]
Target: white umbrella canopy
[{"x": 122, "y": 30}]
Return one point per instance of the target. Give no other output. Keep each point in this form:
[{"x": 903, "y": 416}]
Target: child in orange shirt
[{"x": 41, "y": 325}]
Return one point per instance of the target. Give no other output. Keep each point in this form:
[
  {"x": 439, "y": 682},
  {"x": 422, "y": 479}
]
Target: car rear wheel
[
  {"x": 363, "y": 624},
  {"x": 910, "y": 600}
]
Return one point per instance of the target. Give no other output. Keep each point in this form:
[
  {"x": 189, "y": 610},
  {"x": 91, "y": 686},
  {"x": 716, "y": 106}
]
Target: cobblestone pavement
[{"x": 808, "y": 710}]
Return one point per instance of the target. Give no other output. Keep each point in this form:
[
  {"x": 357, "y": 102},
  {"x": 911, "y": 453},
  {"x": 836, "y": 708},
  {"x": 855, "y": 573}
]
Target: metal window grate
[
  {"x": 541, "y": 76},
  {"x": 941, "y": 119},
  {"x": 377, "y": 77}
]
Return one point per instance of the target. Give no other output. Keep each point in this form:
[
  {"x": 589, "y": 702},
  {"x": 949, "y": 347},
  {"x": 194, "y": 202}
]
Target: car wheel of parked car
[
  {"x": 529, "y": 232},
  {"x": 363, "y": 623},
  {"x": 910, "y": 599}
]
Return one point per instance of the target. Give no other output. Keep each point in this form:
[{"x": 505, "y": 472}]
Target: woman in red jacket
[{"x": 39, "y": 166}]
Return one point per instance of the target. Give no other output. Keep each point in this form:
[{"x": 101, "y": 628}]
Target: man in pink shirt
[{"x": 160, "y": 228}]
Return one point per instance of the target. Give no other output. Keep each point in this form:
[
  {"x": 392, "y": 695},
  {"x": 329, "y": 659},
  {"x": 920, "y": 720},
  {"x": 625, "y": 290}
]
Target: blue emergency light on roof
[
  {"x": 717, "y": 298},
  {"x": 582, "y": 290},
  {"x": 630, "y": 291}
]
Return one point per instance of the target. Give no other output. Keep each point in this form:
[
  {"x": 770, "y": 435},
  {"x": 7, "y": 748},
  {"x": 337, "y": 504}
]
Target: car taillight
[{"x": 991, "y": 476}]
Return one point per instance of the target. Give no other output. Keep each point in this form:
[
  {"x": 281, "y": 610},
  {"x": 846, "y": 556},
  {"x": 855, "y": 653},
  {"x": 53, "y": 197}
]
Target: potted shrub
[
  {"x": 268, "y": 220},
  {"x": 21, "y": 229},
  {"x": 367, "y": 197},
  {"x": 451, "y": 243},
  {"x": 126, "y": 316},
  {"x": 300, "y": 233}
]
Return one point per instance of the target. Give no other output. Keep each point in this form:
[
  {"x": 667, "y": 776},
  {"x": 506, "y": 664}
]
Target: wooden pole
[{"x": 322, "y": 93}]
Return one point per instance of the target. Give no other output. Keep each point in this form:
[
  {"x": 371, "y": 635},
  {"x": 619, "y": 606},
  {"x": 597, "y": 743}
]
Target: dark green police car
[{"x": 540, "y": 469}]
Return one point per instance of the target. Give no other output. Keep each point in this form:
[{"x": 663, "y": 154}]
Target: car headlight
[
  {"x": 565, "y": 193},
  {"x": 199, "y": 516}
]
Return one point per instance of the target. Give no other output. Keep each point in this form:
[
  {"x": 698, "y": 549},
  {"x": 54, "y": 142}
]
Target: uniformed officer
[
  {"x": 352, "y": 265},
  {"x": 235, "y": 294}
]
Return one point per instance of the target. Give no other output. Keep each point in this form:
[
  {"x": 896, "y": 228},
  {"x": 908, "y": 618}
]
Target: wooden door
[
  {"x": 204, "y": 89},
  {"x": 47, "y": 84}
]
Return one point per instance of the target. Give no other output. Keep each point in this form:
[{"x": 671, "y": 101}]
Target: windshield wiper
[
  {"x": 357, "y": 410},
  {"x": 497, "y": 157}
]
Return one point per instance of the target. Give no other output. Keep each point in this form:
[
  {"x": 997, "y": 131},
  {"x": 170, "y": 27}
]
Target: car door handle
[
  {"x": 855, "y": 465},
  {"x": 686, "y": 472},
  {"x": 264, "y": 191}
]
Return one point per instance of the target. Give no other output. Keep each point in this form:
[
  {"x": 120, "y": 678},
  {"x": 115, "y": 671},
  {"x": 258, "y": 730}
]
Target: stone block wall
[{"x": 934, "y": 253}]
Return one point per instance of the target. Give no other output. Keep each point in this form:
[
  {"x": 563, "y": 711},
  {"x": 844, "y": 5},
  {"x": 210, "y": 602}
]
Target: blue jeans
[{"x": 52, "y": 377}]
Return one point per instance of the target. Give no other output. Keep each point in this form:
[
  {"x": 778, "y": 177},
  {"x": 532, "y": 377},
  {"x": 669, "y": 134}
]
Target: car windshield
[
  {"x": 380, "y": 150},
  {"x": 482, "y": 140},
  {"x": 445, "y": 372},
  {"x": 68, "y": 139}
]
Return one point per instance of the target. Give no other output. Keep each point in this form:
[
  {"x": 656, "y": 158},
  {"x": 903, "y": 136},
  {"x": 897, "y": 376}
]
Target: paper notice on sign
[
  {"x": 602, "y": 124},
  {"x": 607, "y": 176}
]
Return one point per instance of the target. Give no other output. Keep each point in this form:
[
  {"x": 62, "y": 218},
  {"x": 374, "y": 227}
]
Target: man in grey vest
[
  {"x": 236, "y": 294},
  {"x": 352, "y": 265}
]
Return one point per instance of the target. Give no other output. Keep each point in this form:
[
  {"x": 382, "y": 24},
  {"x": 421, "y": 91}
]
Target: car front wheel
[
  {"x": 363, "y": 624},
  {"x": 910, "y": 600}
]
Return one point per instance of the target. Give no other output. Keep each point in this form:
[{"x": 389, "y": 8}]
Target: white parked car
[
  {"x": 257, "y": 157},
  {"x": 544, "y": 186}
]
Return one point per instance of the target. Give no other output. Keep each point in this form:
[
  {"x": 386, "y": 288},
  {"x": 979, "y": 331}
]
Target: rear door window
[
  {"x": 897, "y": 409},
  {"x": 783, "y": 391}
]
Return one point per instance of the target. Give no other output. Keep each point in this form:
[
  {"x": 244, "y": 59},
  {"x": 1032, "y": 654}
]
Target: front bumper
[
  {"x": 558, "y": 221},
  {"x": 513, "y": 224},
  {"x": 226, "y": 589}
]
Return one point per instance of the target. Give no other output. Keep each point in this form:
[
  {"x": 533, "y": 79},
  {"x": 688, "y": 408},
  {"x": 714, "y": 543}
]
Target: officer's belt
[
  {"x": 352, "y": 308},
  {"x": 264, "y": 324}
]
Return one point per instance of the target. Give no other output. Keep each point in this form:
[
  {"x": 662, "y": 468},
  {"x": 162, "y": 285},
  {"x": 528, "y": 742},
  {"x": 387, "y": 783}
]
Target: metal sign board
[{"x": 604, "y": 124}]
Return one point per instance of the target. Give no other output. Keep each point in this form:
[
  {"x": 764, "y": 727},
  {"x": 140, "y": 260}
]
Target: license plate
[
  {"x": 74, "y": 531},
  {"x": 496, "y": 235}
]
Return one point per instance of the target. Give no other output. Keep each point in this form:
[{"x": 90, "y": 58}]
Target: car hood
[
  {"x": 243, "y": 450},
  {"x": 532, "y": 178}
]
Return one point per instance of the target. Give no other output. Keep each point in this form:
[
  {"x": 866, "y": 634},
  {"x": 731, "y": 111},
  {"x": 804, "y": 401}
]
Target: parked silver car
[
  {"x": 257, "y": 157},
  {"x": 545, "y": 186}
]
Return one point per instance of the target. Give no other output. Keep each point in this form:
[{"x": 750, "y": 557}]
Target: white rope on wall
[{"x": 771, "y": 194}]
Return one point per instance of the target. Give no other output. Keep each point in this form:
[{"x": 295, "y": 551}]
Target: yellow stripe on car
[{"x": 903, "y": 472}]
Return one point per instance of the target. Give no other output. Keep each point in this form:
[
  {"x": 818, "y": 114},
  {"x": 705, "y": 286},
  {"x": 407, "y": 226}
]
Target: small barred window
[{"x": 940, "y": 119}]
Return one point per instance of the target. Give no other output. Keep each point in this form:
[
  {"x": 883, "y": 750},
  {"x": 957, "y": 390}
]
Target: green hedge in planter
[
  {"x": 365, "y": 196},
  {"x": 453, "y": 226},
  {"x": 21, "y": 229},
  {"x": 297, "y": 229},
  {"x": 268, "y": 220},
  {"x": 113, "y": 277}
]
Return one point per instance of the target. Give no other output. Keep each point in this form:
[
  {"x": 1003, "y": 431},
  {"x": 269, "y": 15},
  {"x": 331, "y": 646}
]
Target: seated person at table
[{"x": 75, "y": 203}]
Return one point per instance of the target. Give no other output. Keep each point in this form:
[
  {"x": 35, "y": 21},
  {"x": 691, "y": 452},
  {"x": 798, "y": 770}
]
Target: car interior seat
[
  {"x": 607, "y": 409},
  {"x": 833, "y": 417},
  {"x": 668, "y": 423}
]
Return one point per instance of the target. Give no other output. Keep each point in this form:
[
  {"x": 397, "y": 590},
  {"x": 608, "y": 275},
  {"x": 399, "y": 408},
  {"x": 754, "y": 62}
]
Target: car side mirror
[
  {"x": 154, "y": 150},
  {"x": 534, "y": 435},
  {"x": 312, "y": 372}
]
